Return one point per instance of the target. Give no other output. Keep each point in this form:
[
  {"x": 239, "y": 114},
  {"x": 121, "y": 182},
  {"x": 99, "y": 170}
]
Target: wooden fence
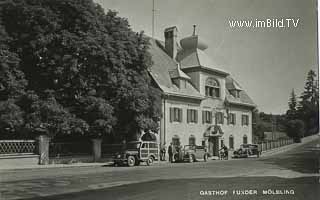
[{"x": 268, "y": 145}]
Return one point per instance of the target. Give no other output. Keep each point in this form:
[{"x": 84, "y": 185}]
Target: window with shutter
[
  {"x": 175, "y": 115},
  {"x": 208, "y": 117},
  {"x": 192, "y": 116},
  {"x": 232, "y": 118},
  {"x": 245, "y": 120},
  {"x": 219, "y": 118}
]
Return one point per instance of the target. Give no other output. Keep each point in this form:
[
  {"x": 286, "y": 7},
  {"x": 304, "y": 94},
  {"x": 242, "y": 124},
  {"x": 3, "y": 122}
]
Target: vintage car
[
  {"x": 191, "y": 153},
  {"x": 136, "y": 152},
  {"x": 247, "y": 150}
]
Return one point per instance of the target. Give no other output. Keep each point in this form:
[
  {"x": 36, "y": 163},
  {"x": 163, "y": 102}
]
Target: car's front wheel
[
  {"x": 191, "y": 159},
  {"x": 131, "y": 161},
  {"x": 150, "y": 161}
]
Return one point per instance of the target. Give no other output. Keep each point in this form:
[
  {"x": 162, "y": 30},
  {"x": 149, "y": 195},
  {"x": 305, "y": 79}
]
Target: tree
[
  {"x": 292, "y": 112},
  {"x": 258, "y": 126},
  {"x": 11, "y": 119},
  {"x": 309, "y": 104},
  {"x": 310, "y": 93},
  {"x": 296, "y": 129},
  {"x": 90, "y": 62}
]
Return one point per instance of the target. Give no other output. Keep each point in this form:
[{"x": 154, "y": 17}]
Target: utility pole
[
  {"x": 153, "y": 13},
  {"x": 272, "y": 127}
]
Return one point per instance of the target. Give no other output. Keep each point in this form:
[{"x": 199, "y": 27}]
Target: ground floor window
[
  {"x": 192, "y": 140},
  {"x": 245, "y": 139},
  {"x": 175, "y": 140},
  {"x": 231, "y": 142}
]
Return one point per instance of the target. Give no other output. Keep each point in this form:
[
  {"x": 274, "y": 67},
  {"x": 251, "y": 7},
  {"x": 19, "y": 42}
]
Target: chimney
[{"x": 170, "y": 35}]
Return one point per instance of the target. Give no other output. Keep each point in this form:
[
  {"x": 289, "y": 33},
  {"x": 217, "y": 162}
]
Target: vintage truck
[{"x": 135, "y": 152}]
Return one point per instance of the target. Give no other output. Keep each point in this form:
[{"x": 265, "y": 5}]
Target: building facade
[{"x": 202, "y": 104}]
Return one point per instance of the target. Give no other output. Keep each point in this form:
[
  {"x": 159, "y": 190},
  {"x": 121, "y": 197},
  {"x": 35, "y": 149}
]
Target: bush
[{"x": 296, "y": 129}]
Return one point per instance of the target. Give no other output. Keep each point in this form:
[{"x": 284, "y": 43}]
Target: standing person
[
  {"x": 224, "y": 152},
  {"x": 164, "y": 152},
  {"x": 170, "y": 152}
]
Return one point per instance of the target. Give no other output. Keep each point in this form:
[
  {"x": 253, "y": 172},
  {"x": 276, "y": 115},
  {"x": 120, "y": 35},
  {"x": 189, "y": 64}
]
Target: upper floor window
[
  {"x": 245, "y": 120},
  {"x": 212, "y": 88},
  {"x": 235, "y": 93},
  {"x": 207, "y": 117},
  {"x": 192, "y": 116},
  {"x": 175, "y": 115},
  {"x": 232, "y": 118},
  {"x": 219, "y": 118}
]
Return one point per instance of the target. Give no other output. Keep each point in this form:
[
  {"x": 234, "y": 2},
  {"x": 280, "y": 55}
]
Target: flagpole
[{"x": 153, "y": 18}]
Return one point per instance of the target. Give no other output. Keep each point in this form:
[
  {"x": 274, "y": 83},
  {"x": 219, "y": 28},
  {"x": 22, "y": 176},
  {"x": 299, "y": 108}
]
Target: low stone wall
[
  {"x": 72, "y": 159},
  {"x": 14, "y": 160}
]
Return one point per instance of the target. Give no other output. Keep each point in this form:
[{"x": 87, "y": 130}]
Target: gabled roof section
[
  {"x": 231, "y": 84},
  {"x": 178, "y": 73},
  {"x": 160, "y": 72},
  {"x": 243, "y": 99}
]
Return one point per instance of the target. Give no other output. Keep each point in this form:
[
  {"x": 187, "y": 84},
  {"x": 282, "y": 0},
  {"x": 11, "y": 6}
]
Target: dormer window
[
  {"x": 235, "y": 93},
  {"x": 212, "y": 88}
]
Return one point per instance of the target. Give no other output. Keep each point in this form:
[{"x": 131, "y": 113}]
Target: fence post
[
  {"x": 96, "y": 149},
  {"x": 43, "y": 147}
]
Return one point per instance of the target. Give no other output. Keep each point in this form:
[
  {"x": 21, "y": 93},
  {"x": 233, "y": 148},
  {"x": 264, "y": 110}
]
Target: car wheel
[
  {"x": 205, "y": 157},
  {"x": 150, "y": 161},
  {"x": 131, "y": 161}
]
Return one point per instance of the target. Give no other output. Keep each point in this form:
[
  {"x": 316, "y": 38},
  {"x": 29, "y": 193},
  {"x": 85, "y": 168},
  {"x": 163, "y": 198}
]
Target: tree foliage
[
  {"x": 304, "y": 113},
  {"x": 309, "y": 105},
  {"x": 71, "y": 68},
  {"x": 295, "y": 129},
  {"x": 292, "y": 112}
]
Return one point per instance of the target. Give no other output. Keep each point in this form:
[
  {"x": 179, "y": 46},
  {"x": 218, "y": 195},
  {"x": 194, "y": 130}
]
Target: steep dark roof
[{"x": 162, "y": 65}]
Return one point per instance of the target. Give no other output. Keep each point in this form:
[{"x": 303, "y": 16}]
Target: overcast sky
[{"x": 267, "y": 62}]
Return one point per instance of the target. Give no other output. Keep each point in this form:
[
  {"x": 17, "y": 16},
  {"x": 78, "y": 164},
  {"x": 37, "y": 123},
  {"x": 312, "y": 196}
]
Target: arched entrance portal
[{"x": 212, "y": 135}]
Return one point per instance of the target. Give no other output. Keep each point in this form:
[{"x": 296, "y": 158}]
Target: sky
[{"x": 267, "y": 62}]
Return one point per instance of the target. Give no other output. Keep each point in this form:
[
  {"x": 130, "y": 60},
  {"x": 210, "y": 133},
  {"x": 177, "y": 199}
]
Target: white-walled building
[{"x": 202, "y": 103}]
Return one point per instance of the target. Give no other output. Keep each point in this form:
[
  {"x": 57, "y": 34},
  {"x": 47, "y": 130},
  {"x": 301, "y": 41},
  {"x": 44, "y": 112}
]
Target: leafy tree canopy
[{"x": 71, "y": 68}]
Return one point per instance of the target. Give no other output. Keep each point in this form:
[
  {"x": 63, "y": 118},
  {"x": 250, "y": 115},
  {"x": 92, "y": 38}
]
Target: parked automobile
[
  {"x": 192, "y": 153},
  {"x": 136, "y": 152},
  {"x": 247, "y": 150}
]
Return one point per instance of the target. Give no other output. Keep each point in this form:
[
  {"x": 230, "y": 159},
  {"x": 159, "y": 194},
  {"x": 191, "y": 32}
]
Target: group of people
[{"x": 172, "y": 150}]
